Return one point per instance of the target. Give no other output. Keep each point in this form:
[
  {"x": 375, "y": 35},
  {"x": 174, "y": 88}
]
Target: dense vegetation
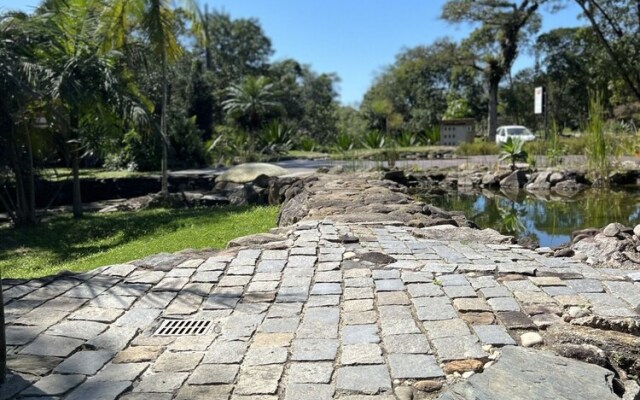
[{"x": 143, "y": 86}]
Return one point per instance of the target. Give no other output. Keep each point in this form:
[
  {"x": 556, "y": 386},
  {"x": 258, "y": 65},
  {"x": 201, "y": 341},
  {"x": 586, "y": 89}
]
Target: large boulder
[
  {"x": 530, "y": 374},
  {"x": 244, "y": 173},
  {"x": 515, "y": 180}
]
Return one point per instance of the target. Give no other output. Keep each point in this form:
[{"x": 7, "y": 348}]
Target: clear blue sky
[{"x": 353, "y": 38}]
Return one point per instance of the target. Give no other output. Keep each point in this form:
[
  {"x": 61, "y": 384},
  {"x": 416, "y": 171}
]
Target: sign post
[{"x": 540, "y": 105}]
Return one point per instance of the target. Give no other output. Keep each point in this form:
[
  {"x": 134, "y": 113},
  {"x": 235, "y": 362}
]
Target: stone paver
[
  {"x": 334, "y": 310},
  {"x": 363, "y": 379}
]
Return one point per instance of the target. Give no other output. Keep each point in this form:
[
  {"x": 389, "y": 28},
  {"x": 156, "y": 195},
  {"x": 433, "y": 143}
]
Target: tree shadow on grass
[{"x": 66, "y": 239}]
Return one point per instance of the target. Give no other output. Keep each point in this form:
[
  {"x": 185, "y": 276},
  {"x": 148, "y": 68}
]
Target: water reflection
[{"x": 548, "y": 218}]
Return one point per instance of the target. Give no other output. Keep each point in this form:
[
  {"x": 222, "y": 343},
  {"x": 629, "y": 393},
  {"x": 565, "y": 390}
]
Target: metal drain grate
[{"x": 187, "y": 327}]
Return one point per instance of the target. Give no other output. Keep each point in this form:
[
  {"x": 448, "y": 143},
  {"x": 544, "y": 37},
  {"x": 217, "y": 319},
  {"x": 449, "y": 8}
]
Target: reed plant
[{"x": 596, "y": 149}]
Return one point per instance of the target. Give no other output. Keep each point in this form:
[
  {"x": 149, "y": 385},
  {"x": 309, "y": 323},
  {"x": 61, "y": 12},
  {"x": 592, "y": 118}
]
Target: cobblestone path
[{"x": 333, "y": 310}]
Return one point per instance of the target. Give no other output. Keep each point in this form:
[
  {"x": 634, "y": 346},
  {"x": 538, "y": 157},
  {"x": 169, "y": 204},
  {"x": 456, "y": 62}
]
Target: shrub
[{"x": 477, "y": 148}]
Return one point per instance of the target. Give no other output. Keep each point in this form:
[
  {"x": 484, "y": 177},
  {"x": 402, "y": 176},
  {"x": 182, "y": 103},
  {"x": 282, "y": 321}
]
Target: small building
[{"x": 453, "y": 132}]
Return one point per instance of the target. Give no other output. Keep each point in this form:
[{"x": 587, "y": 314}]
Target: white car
[{"x": 515, "y": 131}]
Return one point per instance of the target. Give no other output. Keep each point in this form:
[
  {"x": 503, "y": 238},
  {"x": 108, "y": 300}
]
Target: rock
[
  {"x": 577, "y": 312},
  {"x": 515, "y": 180},
  {"x": 468, "y": 374},
  {"x": 248, "y": 194},
  {"x": 490, "y": 180},
  {"x": 583, "y": 352},
  {"x": 636, "y": 231},
  {"x": 624, "y": 325},
  {"x": 478, "y": 318},
  {"x": 462, "y": 366},
  {"x": 621, "y": 348},
  {"x": 555, "y": 178},
  {"x": 261, "y": 180},
  {"x": 564, "y": 252},
  {"x": 631, "y": 390},
  {"x": 531, "y": 339},
  {"x": 244, "y": 173},
  {"x": 606, "y": 250},
  {"x": 613, "y": 229},
  {"x": 569, "y": 188},
  {"x": 396, "y": 176},
  {"x": 253, "y": 240},
  {"x": 404, "y": 392},
  {"x": 625, "y": 178},
  {"x": 527, "y": 374},
  {"x": 428, "y": 385},
  {"x": 544, "y": 250},
  {"x": 539, "y": 182},
  {"x": 377, "y": 258}
]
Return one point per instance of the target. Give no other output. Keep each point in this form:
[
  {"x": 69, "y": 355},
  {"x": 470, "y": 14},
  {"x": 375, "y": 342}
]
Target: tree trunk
[
  {"x": 617, "y": 63},
  {"x": 493, "y": 110},
  {"x": 74, "y": 125},
  {"x": 3, "y": 342},
  {"x": 21, "y": 204},
  {"x": 77, "y": 197},
  {"x": 32, "y": 184},
  {"x": 163, "y": 132}
]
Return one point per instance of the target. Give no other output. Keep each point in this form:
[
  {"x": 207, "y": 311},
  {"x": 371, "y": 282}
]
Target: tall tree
[
  {"x": 18, "y": 70},
  {"x": 411, "y": 95},
  {"x": 616, "y": 23},
  {"x": 570, "y": 63},
  {"x": 250, "y": 102},
  {"x": 84, "y": 86},
  {"x": 493, "y": 46},
  {"x": 155, "y": 20}
]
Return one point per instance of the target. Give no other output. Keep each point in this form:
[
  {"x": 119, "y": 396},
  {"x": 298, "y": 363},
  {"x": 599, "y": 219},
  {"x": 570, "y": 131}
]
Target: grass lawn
[
  {"x": 62, "y": 243},
  {"x": 60, "y": 174}
]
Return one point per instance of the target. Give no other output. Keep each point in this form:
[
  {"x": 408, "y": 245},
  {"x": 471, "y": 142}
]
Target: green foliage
[
  {"x": 412, "y": 93},
  {"x": 407, "y": 139},
  {"x": 457, "y": 108},
  {"x": 344, "y": 142},
  {"x": 512, "y": 150},
  {"x": 373, "y": 140},
  {"x": 477, "y": 148},
  {"x": 230, "y": 145},
  {"x": 104, "y": 239},
  {"x": 186, "y": 143},
  {"x": 276, "y": 139},
  {"x": 430, "y": 136},
  {"x": 140, "y": 153},
  {"x": 597, "y": 151},
  {"x": 307, "y": 143},
  {"x": 555, "y": 150}
]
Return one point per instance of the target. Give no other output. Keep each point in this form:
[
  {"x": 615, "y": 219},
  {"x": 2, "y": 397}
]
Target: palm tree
[
  {"x": 20, "y": 74},
  {"x": 154, "y": 19},
  {"x": 84, "y": 85},
  {"x": 249, "y": 102}
]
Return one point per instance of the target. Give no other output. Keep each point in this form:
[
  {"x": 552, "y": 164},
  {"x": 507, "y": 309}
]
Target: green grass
[
  {"x": 62, "y": 243},
  {"x": 367, "y": 153},
  {"x": 307, "y": 154},
  {"x": 60, "y": 174}
]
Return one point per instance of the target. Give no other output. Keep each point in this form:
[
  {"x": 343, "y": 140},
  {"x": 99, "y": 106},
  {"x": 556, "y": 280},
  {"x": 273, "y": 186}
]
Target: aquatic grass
[{"x": 596, "y": 150}]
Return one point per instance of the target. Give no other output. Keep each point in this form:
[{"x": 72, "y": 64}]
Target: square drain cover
[{"x": 184, "y": 327}]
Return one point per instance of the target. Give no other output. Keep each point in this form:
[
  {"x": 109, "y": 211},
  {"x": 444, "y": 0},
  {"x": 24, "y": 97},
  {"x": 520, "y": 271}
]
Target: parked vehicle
[{"x": 514, "y": 131}]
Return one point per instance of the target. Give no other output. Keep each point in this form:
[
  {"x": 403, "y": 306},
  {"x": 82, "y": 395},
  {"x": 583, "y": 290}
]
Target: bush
[
  {"x": 186, "y": 147},
  {"x": 477, "y": 148},
  {"x": 141, "y": 151}
]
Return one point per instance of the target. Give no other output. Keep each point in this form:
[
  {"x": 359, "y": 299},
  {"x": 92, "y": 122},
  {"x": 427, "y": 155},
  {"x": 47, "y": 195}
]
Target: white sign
[{"x": 538, "y": 102}]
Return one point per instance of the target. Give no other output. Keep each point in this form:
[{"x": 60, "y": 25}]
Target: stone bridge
[{"x": 369, "y": 295}]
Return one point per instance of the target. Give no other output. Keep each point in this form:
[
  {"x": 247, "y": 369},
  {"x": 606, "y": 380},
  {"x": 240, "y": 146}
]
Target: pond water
[{"x": 548, "y": 219}]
